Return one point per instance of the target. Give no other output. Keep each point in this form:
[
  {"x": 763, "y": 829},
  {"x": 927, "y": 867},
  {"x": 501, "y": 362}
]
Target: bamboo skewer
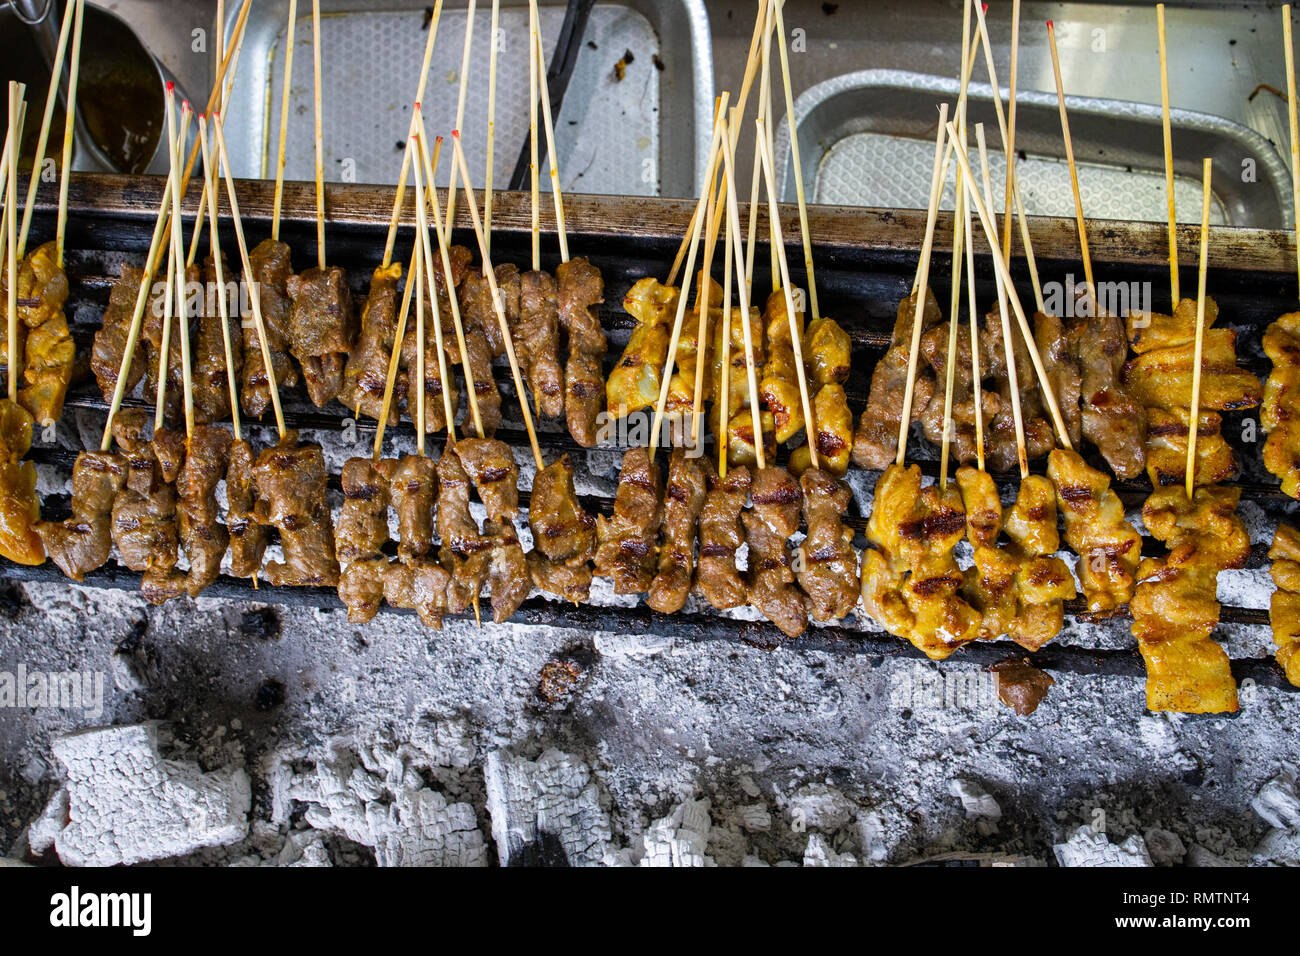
[
  {"x": 47, "y": 118},
  {"x": 1013, "y": 374},
  {"x": 70, "y": 113},
  {"x": 442, "y": 231},
  {"x": 1010, "y": 141},
  {"x": 797, "y": 168},
  {"x": 395, "y": 356},
  {"x": 728, "y": 262},
  {"x": 254, "y": 297},
  {"x": 492, "y": 121},
  {"x": 1169, "y": 152},
  {"x": 533, "y": 56},
  {"x": 751, "y": 68},
  {"x": 1195, "y": 411},
  {"x": 1294, "y": 126},
  {"x": 764, "y": 113},
  {"x": 141, "y": 299},
  {"x": 11, "y": 235},
  {"x": 182, "y": 309},
  {"x": 742, "y": 293},
  {"x": 320, "y": 135},
  {"x": 990, "y": 232},
  {"x": 417, "y": 279},
  {"x": 210, "y": 177},
  {"x": 774, "y": 219},
  {"x": 702, "y": 306},
  {"x": 490, "y": 275},
  {"x": 1069, "y": 156},
  {"x": 460, "y": 105},
  {"x": 284, "y": 120},
  {"x": 175, "y": 267},
  {"x": 549, "y": 125},
  {"x": 426, "y": 260},
  {"x": 923, "y": 278},
  {"x": 977, "y": 388},
  {"x": 685, "y": 295},
  {"x": 4, "y": 163},
  {"x": 391, "y": 240}
]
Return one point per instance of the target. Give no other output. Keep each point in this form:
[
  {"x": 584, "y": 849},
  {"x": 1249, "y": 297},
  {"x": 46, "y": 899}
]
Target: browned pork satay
[
  {"x": 465, "y": 553},
  {"x": 210, "y": 382},
  {"x": 687, "y": 486},
  {"x": 290, "y": 482},
  {"x": 1000, "y": 439},
  {"x": 204, "y": 537},
  {"x": 1062, "y": 370},
  {"x": 248, "y": 537},
  {"x": 828, "y": 566},
  {"x": 779, "y": 383},
  {"x": 151, "y": 334},
  {"x": 508, "y": 284},
  {"x": 1167, "y": 437},
  {"x": 434, "y": 412},
  {"x": 579, "y": 289},
  {"x": 419, "y": 585},
  {"x": 360, "y": 536},
  {"x": 169, "y": 448},
  {"x": 82, "y": 543},
  {"x": 41, "y": 290},
  {"x": 491, "y": 466},
  {"x": 539, "y": 332},
  {"x": 564, "y": 535},
  {"x": 1111, "y": 417},
  {"x": 875, "y": 442},
  {"x": 477, "y": 315},
  {"x": 366, "y": 375},
  {"x": 323, "y": 328},
  {"x": 414, "y": 486},
  {"x": 109, "y": 346},
  {"x": 272, "y": 268},
  {"x": 626, "y": 543},
  {"x": 768, "y": 526},
  {"x": 144, "y": 525},
  {"x": 721, "y": 535},
  {"x": 962, "y": 437}
]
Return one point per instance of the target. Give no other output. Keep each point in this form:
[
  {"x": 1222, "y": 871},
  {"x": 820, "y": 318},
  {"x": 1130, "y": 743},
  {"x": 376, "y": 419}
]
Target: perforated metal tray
[
  {"x": 867, "y": 139},
  {"x": 646, "y": 134}
]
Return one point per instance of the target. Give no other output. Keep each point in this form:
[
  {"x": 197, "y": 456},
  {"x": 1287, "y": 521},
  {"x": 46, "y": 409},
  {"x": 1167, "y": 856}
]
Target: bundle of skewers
[{"x": 729, "y": 386}]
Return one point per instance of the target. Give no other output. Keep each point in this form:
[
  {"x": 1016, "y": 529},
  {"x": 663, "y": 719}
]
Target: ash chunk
[
  {"x": 546, "y": 811},
  {"x": 1086, "y": 848},
  {"x": 126, "y": 804},
  {"x": 1021, "y": 685}
]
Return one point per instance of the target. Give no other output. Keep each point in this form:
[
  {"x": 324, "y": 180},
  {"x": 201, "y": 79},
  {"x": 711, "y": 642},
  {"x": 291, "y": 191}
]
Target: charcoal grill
[{"x": 866, "y": 259}]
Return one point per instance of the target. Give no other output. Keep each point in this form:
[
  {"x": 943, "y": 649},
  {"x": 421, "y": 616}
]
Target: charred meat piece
[
  {"x": 248, "y": 537},
  {"x": 414, "y": 486},
  {"x": 465, "y": 552},
  {"x": 211, "y": 382},
  {"x": 361, "y": 534},
  {"x": 828, "y": 570},
  {"x": 508, "y": 284},
  {"x": 1107, "y": 545},
  {"x": 144, "y": 525},
  {"x": 406, "y": 383},
  {"x": 740, "y": 426},
  {"x": 1167, "y": 436},
  {"x": 564, "y": 535},
  {"x": 539, "y": 336},
  {"x": 420, "y": 585},
  {"x": 569, "y": 580},
  {"x": 626, "y": 543},
  {"x": 1175, "y": 609},
  {"x": 82, "y": 543},
  {"x": 721, "y": 535},
  {"x": 1112, "y": 417},
  {"x": 1284, "y": 610},
  {"x": 110, "y": 341},
  {"x": 508, "y": 576},
  {"x": 20, "y": 512},
  {"x": 204, "y": 538},
  {"x": 768, "y": 526},
  {"x": 687, "y": 486},
  {"x": 366, "y": 373},
  {"x": 1021, "y": 685},
  {"x": 832, "y": 433},
  {"x": 271, "y": 271},
  {"x": 290, "y": 481},
  {"x": 491, "y": 466},
  {"x": 579, "y": 289},
  {"x": 322, "y": 321}
]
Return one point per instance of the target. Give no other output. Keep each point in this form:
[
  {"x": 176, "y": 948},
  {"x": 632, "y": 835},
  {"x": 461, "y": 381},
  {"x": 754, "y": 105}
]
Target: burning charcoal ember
[
  {"x": 1021, "y": 686},
  {"x": 768, "y": 527},
  {"x": 687, "y": 485},
  {"x": 579, "y": 289},
  {"x": 557, "y": 680},
  {"x": 290, "y": 482},
  {"x": 271, "y": 271},
  {"x": 322, "y": 324},
  {"x": 627, "y": 542}
]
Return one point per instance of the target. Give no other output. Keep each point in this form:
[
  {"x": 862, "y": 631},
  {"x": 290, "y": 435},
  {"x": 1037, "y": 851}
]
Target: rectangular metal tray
[
  {"x": 646, "y": 134},
  {"x": 867, "y": 139}
]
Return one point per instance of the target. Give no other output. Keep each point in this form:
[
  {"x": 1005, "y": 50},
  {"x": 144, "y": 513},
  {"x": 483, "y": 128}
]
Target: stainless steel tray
[
  {"x": 646, "y": 134},
  {"x": 867, "y": 139}
]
